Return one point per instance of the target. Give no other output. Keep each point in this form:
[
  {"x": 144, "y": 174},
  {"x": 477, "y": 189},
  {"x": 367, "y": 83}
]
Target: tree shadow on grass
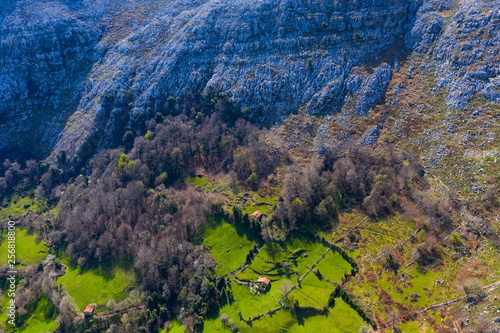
[
  {"x": 217, "y": 220},
  {"x": 294, "y": 241},
  {"x": 33, "y": 232},
  {"x": 215, "y": 313},
  {"x": 302, "y": 313},
  {"x": 107, "y": 269},
  {"x": 243, "y": 231}
]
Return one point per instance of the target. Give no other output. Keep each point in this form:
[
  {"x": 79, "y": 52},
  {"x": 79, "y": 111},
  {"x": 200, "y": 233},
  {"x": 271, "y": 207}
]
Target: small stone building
[
  {"x": 257, "y": 214},
  {"x": 89, "y": 311},
  {"x": 263, "y": 284}
]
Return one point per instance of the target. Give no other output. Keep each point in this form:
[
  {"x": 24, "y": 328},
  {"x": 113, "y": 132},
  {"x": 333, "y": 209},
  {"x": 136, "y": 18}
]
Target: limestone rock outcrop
[{"x": 94, "y": 66}]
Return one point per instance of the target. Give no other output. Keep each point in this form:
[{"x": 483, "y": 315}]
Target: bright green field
[
  {"x": 251, "y": 304},
  {"x": 273, "y": 261},
  {"x": 28, "y": 249},
  {"x": 341, "y": 318},
  {"x": 215, "y": 326},
  {"x": 332, "y": 266},
  {"x": 97, "y": 285},
  {"x": 42, "y": 318},
  {"x": 18, "y": 207},
  {"x": 198, "y": 181},
  {"x": 220, "y": 236},
  {"x": 5, "y": 303},
  {"x": 304, "y": 300},
  {"x": 312, "y": 294},
  {"x": 260, "y": 265},
  {"x": 316, "y": 289},
  {"x": 248, "y": 275}
]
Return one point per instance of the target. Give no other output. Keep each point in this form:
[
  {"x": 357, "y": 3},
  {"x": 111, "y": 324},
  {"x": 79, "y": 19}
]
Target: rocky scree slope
[{"x": 460, "y": 43}]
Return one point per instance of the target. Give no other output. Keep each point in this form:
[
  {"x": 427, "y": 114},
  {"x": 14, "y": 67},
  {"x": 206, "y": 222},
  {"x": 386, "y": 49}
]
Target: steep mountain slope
[
  {"x": 274, "y": 57},
  {"x": 45, "y": 54},
  {"x": 48, "y": 49}
]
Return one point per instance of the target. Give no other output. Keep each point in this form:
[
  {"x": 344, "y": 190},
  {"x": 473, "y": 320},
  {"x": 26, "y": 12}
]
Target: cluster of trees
[
  {"x": 181, "y": 282},
  {"x": 99, "y": 220},
  {"x": 202, "y": 130},
  {"x": 343, "y": 177},
  {"x": 253, "y": 224},
  {"x": 37, "y": 288},
  {"x": 15, "y": 177}
]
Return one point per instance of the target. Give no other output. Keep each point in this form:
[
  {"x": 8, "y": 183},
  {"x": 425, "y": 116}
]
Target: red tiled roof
[
  {"x": 89, "y": 308},
  {"x": 257, "y": 214},
  {"x": 263, "y": 279}
]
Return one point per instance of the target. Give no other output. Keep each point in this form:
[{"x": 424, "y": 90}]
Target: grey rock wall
[
  {"x": 275, "y": 56},
  {"x": 98, "y": 62},
  {"x": 45, "y": 52}
]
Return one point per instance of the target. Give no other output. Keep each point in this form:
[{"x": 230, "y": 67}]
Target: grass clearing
[
  {"x": 260, "y": 265},
  {"x": 280, "y": 262},
  {"x": 97, "y": 284},
  {"x": 19, "y": 206},
  {"x": 248, "y": 275},
  {"x": 198, "y": 181},
  {"x": 341, "y": 318},
  {"x": 40, "y": 316},
  {"x": 251, "y": 304},
  {"x": 235, "y": 194},
  {"x": 333, "y": 266},
  {"x": 215, "y": 325},
  {"x": 5, "y": 303},
  {"x": 175, "y": 327},
  {"x": 304, "y": 301},
  {"x": 316, "y": 289},
  {"x": 228, "y": 243},
  {"x": 29, "y": 250},
  {"x": 310, "y": 251}
]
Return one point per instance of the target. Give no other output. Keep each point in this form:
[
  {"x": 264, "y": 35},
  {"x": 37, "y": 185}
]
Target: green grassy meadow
[
  {"x": 97, "y": 284},
  {"x": 18, "y": 206},
  {"x": 228, "y": 243},
  {"x": 40, "y": 316},
  {"x": 29, "y": 250},
  {"x": 43, "y": 317},
  {"x": 249, "y": 201},
  {"x": 175, "y": 327},
  {"x": 283, "y": 263},
  {"x": 340, "y": 318}
]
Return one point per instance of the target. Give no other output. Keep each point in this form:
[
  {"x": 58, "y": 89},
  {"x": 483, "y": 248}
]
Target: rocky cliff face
[
  {"x": 45, "y": 54},
  {"x": 272, "y": 56},
  {"x": 47, "y": 51}
]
